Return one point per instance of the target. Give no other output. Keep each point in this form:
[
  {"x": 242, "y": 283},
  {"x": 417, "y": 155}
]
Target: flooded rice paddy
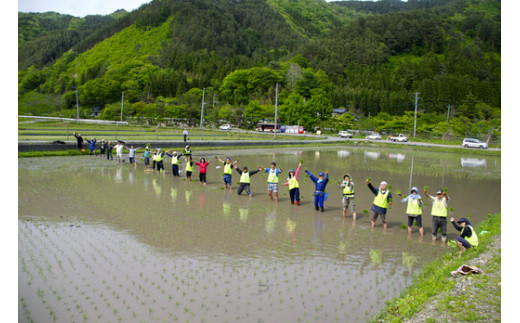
[{"x": 102, "y": 242}]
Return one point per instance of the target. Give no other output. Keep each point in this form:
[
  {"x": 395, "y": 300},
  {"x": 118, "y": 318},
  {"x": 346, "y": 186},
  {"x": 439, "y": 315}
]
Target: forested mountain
[{"x": 369, "y": 58}]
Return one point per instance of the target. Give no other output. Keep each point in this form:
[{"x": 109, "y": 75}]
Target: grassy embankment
[
  {"x": 435, "y": 279},
  {"x": 53, "y": 130}
]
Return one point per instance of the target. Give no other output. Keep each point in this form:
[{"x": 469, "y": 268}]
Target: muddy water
[{"x": 105, "y": 242}]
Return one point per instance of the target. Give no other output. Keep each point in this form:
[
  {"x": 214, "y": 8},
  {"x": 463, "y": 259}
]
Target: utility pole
[
  {"x": 448, "y": 118},
  {"x": 77, "y": 104},
  {"x": 122, "y": 99},
  {"x": 202, "y": 114},
  {"x": 275, "y": 111},
  {"x": 415, "y": 117}
]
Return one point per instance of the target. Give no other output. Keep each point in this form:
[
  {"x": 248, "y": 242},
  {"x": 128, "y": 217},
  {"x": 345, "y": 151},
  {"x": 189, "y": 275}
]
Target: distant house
[
  {"x": 95, "y": 111},
  {"x": 338, "y": 112}
]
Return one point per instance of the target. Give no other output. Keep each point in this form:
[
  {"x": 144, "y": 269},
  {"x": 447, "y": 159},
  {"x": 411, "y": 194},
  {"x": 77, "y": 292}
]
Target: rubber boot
[{"x": 322, "y": 209}]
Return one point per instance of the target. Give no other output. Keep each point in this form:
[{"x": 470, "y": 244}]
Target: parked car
[
  {"x": 225, "y": 127},
  {"x": 373, "y": 136},
  {"x": 474, "y": 143},
  {"x": 344, "y": 134},
  {"x": 400, "y": 137}
]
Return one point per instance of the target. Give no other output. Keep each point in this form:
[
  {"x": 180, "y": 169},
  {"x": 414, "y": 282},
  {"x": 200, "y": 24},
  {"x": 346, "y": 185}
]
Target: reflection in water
[
  {"x": 157, "y": 188},
  {"x": 376, "y": 257},
  {"x": 202, "y": 200},
  {"x": 131, "y": 177},
  {"x": 409, "y": 261},
  {"x": 343, "y": 153},
  {"x": 173, "y": 193},
  {"x": 473, "y": 162},
  {"x": 398, "y": 157},
  {"x": 226, "y": 206},
  {"x": 187, "y": 194},
  {"x": 119, "y": 175},
  {"x": 146, "y": 182},
  {"x": 318, "y": 226},
  {"x": 290, "y": 229},
  {"x": 270, "y": 221},
  {"x": 372, "y": 154},
  {"x": 243, "y": 208}
]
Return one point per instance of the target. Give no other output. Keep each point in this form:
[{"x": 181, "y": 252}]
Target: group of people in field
[{"x": 382, "y": 200}]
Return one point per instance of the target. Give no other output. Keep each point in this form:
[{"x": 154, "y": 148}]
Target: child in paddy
[
  {"x": 203, "y": 164},
  {"x": 245, "y": 180},
  {"x": 228, "y": 170},
  {"x": 294, "y": 186},
  {"x": 189, "y": 168},
  {"x": 272, "y": 180},
  {"x": 413, "y": 210},
  {"x": 319, "y": 192}
]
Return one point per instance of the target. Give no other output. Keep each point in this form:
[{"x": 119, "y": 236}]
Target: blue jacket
[
  {"x": 319, "y": 186},
  {"x": 92, "y": 144}
]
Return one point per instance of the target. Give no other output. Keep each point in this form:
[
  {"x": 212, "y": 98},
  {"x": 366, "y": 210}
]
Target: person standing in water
[
  {"x": 79, "y": 140},
  {"x": 319, "y": 189},
  {"x": 92, "y": 146},
  {"x": 109, "y": 151},
  {"x": 413, "y": 210},
  {"x": 131, "y": 155},
  {"x": 203, "y": 164},
  {"x": 348, "y": 196},
  {"x": 272, "y": 180},
  {"x": 382, "y": 200},
  {"x": 228, "y": 170},
  {"x": 245, "y": 180},
  {"x": 468, "y": 237},
  {"x": 119, "y": 152},
  {"x": 175, "y": 162},
  {"x": 159, "y": 156},
  {"x": 187, "y": 151},
  {"x": 439, "y": 214},
  {"x": 147, "y": 158},
  {"x": 102, "y": 148},
  {"x": 294, "y": 186},
  {"x": 189, "y": 168}
]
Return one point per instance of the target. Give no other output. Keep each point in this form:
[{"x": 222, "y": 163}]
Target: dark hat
[
  {"x": 439, "y": 191},
  {"x": 321, "y": 174},
  {"x": 464, "y": 220}
]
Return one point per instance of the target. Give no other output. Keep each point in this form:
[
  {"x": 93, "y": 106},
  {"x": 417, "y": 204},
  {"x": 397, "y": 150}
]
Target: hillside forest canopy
[{"x": 338, "y": 65}]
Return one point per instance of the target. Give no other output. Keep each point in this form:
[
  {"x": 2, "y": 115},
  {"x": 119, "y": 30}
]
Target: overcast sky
[{"x": 79, "y": 8}]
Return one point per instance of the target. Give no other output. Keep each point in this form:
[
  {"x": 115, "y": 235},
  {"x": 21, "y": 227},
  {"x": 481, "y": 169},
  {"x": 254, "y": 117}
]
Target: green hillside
[{"x": 323, "y": 55}]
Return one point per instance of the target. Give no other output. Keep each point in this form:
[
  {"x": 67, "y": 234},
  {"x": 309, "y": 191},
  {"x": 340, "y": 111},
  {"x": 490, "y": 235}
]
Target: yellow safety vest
[
  {"x": 439, "y": 208},
  {"x": 473, "y": 240},
  {"x": 189, "y": 167},
  {"x": 245, "y": 178},
  {"x": 413, "y": 207},
  {"x": 293, "y": 183},
  {"x": 175, "y": 160},
  {"x": 347, "y": 190},
  {"x": 158, "y": 158},
  {"x": 381, "y": 200},
  {"x": 227, "y": 169},
  {"x": 272, "y": 178}
]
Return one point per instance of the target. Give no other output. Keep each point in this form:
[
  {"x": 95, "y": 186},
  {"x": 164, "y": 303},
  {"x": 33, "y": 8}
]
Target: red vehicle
[{"x": 267, "y": 127}]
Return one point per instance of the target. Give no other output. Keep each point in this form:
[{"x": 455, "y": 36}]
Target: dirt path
[{"x": 475, "y": 298}]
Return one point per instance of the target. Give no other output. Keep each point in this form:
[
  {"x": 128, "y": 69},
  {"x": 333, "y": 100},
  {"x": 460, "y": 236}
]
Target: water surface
[{"x": 100, "y": 241}]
